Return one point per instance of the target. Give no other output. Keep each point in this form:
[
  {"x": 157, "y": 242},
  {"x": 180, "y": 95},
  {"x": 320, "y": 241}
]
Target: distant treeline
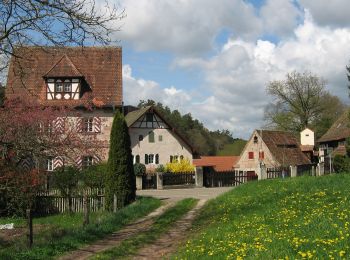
[{"x": 204, "y": 142}]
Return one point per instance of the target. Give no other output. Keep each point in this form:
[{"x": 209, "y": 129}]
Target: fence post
[
  {"x": 262, "y": 174},
  {"x": 115, "y": 205},
  {"x": 30, "y": 227},
  {"x": 313, "y": 170},
  {"x": 320, "y": 169},
  {"x": 86, "y": 209},
  {"x": 139, "y": 182},
  {"x": 293, "y": 171},
  {"x": 199, "y": 176},
  {"x": 159, "y": 180}
]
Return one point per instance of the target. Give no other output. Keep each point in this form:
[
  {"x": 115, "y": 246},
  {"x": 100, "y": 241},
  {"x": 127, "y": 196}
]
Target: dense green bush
[
  {"x": 94, "y": 176},
  {"x": 341, "y": 163},
  {"x": 160, "y": 168},
  {"x": 139, "y": 169},
  {"x": 120, "y": 179}
]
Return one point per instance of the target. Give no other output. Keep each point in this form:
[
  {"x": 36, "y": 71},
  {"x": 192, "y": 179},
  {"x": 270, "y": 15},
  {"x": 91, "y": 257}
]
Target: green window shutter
[
  {"x": 137, "y": 158},
  {"x": 157, "y": 158},
  {"x": 146, "y": 158},
  {"x": 151, "y": 137}
]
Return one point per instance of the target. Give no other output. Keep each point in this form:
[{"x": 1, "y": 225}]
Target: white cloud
[
  {"x": 185, "y": 27},
  {"x": 141, "y": 89},
  {"x": 238, "y": 75},
  {"x": 333, "y": 13},
  {"x": 280, "y": 16}
]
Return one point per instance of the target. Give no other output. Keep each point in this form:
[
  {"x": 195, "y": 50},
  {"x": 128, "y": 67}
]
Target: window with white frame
[
  {"x": 49, "y": 164},
  {"x": 151, "y": 158},
  {"x": 88, "y": 124}
]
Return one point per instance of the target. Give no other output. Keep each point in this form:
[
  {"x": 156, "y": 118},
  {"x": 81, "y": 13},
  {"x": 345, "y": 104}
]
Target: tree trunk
[{"x": 30, "y": 227}]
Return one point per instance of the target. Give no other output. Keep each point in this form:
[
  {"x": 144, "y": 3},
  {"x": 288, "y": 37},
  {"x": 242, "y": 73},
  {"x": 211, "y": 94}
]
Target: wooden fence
[
  {"x": 149, "y": 181},
  {"x": 306, "y": 169},
  {"x": 278, "y": 172},
  {"x": 227, "y": 178},
  {"x": 184, "y": 178},
  {"x": 52, "y": 201}
]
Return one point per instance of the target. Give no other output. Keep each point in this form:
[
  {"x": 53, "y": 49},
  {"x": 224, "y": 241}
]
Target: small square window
[
  {"x": 251, "y": 155},
  {"x": 67, "y": 87},
  {"x": 87, "y": 161},
  {"x": 160, "y": 138},
  {"x": 58, "y": 87}
]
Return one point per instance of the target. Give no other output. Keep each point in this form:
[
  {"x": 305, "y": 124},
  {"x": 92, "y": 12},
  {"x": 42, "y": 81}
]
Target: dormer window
[{"x": 63, "y": 88}]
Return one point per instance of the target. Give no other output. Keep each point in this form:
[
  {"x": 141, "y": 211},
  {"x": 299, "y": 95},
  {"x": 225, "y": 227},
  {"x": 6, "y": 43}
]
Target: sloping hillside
[{"x": 304, "y": 217}]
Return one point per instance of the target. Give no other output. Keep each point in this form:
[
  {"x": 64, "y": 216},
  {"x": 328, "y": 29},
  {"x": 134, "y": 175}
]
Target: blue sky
[{"x": 213, "y": 59}]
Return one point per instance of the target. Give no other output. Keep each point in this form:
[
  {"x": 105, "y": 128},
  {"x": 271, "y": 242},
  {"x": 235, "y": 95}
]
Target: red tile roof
[
  {"x": 284, "y": 147},
  {"x": 306, "y": 148},
  {"x": 100, "y": 67},
  {"x": 220, "y": 163}
]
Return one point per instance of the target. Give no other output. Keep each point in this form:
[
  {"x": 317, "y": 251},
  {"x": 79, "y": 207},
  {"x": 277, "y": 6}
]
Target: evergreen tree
[{"x": 120, "y": 171}]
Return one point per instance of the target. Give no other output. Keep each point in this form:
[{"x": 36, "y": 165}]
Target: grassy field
[
  {"x": 61, "y": 233},
  {"x": 299, "y": 218},
  {"x": 160, "y": 226},
  {"x": 233, "y": 149}
]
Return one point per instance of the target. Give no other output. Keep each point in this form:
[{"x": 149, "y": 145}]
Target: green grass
[
  {"x": 65, "y": 232},
  {"x": 304, "y": 217},
  {"x": 160, "y": 226},
  {"x": 233, "y": 149}
]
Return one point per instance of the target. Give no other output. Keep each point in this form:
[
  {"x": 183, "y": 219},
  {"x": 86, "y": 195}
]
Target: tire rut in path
[
  {"x": 168, "y": 242},
  {"x": 116, "y": 238}
]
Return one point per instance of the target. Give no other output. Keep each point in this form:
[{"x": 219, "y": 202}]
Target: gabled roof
[
  {"x": 284, "y": 147},
  {"x": 63, "y": 68},
  {"x": 220, "y": 163},
  {"x": 133, "y": 116},
  {"x": 339, "y": 130},
  {"x": 100, "y": 68}
]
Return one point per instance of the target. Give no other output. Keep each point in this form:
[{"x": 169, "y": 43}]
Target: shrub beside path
[{"x": 116, "y": 238}]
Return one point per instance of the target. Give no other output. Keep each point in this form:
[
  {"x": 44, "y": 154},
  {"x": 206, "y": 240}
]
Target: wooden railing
[
  {"x": 227, "y": 178},
  {"x": 184, "y": 178}
]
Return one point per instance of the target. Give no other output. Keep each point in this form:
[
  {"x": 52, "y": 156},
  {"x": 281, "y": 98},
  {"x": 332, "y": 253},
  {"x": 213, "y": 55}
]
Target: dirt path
[
  {"x": 116, "y": 238},
  {"x": 169, "y": 242}
]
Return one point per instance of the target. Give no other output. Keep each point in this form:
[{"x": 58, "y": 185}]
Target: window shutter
[
  {"x": 57, "y": 162},
  {"x": 97, "y": 124},
  {"x": 96, "y": 159},
  {"x": 58, "y": 125},
  {"x": 261, "y": 155},
  {"x": 79, "y": 162},
  {"x": 137, "y": 158},
  {"x": 157, "y": 158},
  {"x": 171, "y": 158},
  {"x": 146, "y": 158},
  {"x": 251, "y": 155},
  {"x": 80, "y": 124},
  {"x": 151, "y": 137}
]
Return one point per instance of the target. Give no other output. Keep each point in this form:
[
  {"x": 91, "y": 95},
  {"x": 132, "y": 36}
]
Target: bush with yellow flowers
[{"x": 179, "y": 166}]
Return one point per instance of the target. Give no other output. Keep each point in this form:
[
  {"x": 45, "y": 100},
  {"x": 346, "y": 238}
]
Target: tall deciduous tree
[
  {"x": 54, "y": 22},
  {"x": 301, "y": 101},
  {"x": 120, "y": 171}
]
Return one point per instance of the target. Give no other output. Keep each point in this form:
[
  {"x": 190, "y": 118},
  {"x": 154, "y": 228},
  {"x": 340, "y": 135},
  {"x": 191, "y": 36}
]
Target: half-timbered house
[
  {"x": 271, "y": 149},
  {"x": 153, "y": 140},
  {"x": 88, "y": 79}
]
